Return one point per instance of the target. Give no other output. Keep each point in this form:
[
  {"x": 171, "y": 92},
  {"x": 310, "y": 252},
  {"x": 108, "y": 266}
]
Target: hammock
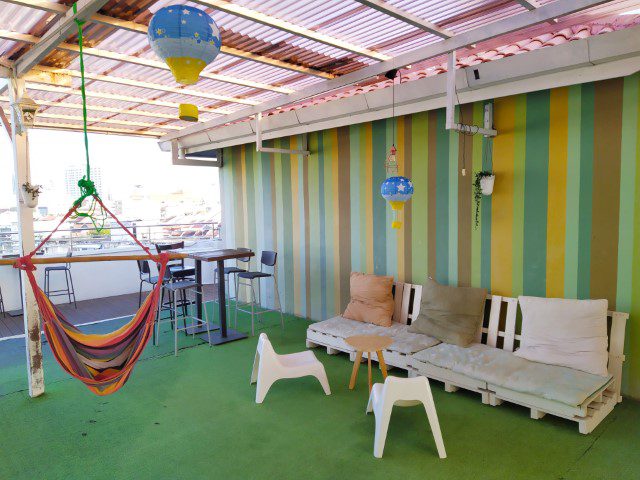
[{"x": 102, "y": 362}]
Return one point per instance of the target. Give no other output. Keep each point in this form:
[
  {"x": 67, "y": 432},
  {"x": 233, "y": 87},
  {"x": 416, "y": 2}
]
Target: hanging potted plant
[
  {"x": 482, "y": 185},
  {"x": 30, "y": 194}
]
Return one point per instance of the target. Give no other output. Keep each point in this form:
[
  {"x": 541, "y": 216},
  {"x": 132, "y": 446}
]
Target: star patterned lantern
[
  {"x": 187, "y": 39},
  {"x": 395, "y": 189}
]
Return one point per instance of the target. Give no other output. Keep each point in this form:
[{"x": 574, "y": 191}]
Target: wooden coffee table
[{"x": 369, "y": 344}]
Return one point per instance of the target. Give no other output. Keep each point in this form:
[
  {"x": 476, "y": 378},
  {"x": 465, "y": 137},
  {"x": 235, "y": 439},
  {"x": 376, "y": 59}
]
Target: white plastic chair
[
  {"x": 268, "y": 367},
  {"x": 403, "y": 392}
]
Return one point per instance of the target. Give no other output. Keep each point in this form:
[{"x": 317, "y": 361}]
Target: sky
[{"x": 126, "y": 162}]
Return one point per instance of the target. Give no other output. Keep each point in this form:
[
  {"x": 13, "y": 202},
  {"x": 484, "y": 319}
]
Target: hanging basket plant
[
  {"x": 482, "y": 185},
  {"x": 30, "y": 194}
]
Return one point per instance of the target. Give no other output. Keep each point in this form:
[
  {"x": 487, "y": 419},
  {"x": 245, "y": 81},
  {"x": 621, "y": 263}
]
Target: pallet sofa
[{"x": 488, "y": 366}]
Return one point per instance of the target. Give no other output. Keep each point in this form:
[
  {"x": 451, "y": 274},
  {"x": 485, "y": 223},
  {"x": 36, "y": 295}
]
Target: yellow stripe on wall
[
  {"x": 502, "y": 198},
  {"x": 557, "y": 211}
]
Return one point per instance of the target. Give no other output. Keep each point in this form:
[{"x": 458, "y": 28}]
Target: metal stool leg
[
  {"x": 253, "y": 303},
  {"x": 277, "y": 292},
  {"x": 73, "y": 290},
  {"x": 175, "y": 326}
]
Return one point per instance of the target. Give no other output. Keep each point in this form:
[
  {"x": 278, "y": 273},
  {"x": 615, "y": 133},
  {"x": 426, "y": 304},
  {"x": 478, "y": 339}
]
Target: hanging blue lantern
[
  {"x": 186, "y": 38},
  {"x": 397, "y": 190}
]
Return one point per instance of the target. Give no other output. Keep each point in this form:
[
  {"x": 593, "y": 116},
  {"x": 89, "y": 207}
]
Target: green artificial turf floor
[{"x": 194, "y": 417}]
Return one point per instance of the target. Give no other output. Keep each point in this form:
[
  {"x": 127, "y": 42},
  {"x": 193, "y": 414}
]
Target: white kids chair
[
  {"x": 403, "y": 392},
  {"x": 268, "y": 367}
]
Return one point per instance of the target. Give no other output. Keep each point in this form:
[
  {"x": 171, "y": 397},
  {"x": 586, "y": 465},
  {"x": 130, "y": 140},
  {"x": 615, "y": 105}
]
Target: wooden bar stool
[{"x": 369, "y": 344}]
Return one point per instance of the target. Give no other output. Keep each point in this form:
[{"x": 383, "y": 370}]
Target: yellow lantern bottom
[
  {"x": 188, "y": 112},
  {"x": 186, "y": 70},
  {"x": 396, "y": 207}
]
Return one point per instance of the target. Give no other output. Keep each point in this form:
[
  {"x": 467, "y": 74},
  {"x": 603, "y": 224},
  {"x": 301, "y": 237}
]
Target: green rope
[{"x": 87, "y": 187}]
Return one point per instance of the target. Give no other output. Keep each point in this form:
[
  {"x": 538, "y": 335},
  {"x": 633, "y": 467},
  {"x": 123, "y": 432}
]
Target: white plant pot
[
  {"x": 486, "y": 184},
  {"x": 31, "y": 201}
]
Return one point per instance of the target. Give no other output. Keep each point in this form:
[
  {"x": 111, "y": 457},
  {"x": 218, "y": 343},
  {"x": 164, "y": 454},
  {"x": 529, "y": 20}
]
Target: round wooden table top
[{"x": 369, "y": 343}]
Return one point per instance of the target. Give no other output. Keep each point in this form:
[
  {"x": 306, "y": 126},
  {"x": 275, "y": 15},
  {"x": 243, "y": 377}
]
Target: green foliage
[{"x": 477, "y": 192}]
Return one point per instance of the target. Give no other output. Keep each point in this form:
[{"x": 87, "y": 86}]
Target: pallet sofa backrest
[
  {"x": 406, "y": 297},
  {"x": 501, "y": 322}
]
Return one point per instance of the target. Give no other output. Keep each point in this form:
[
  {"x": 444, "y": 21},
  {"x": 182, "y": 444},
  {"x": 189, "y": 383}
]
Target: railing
[{"x": 79, "y": 240}]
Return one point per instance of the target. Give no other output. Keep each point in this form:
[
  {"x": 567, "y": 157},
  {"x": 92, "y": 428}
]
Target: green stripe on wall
[
  {"x": 536, "y": 194},
  {"x": 420, "y": 207},
  {"x": 573, "y": 192},
  {"x": 379, "y": 205}
]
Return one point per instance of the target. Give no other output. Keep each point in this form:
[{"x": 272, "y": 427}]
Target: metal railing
[{"x": 85, "y": 239}]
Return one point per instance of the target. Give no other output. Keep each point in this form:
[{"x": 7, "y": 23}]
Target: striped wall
[{"x": 564, "y": 219}]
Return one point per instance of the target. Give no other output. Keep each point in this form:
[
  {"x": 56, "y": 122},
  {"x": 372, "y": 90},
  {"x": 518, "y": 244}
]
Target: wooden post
[{"x": 26, "y": 239}]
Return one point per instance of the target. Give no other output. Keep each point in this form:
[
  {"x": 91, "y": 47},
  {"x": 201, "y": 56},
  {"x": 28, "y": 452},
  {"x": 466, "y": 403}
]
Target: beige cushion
[
  {"x": 371, "y": 299},
  {"x": 571, "y": 333},
  {"x": 450, "y": 314},
  {"x": 503, "y": 369}
]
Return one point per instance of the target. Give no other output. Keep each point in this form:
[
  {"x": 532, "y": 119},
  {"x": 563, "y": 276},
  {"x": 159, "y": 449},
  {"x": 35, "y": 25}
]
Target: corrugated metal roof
[{"x": 337, "y": 20}]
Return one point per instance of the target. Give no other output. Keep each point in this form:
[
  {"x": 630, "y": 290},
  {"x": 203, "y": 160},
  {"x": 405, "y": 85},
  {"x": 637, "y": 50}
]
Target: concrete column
[{"x": 26, "y": 238}]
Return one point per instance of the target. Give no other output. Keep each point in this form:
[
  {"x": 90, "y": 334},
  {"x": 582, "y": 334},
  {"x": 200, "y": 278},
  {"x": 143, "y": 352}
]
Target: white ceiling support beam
[
  {"x": 126, "y": 123},
  {"x": 57, "y": 34},
  {"x": 260, "y": 148},
  {"x": 114, "y": 96},
  {"x": 59, "y": 8},
  {"x": 107, "y": 130},
  {"x": 99, "y": 108},
  {"x": 145, "y": 62},
  {"x": 133, "y": 83},
  {"x": 450, "y": 117},
  {"x": 407, "y": 17},
  {"x": 529, "y": 4},
  {"x": 263, "y": 18},
  {"x": 600, "y": 57},
  {"x": 451, "y": 90},
  {"x": 477, "y": 35}
]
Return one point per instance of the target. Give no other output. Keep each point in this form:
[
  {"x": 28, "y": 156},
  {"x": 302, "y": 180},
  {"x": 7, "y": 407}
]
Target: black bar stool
[
  {"x": 69, "y": 291},
  {"x": 267, "y": 259},
  {"x": 144, "y": 271}
]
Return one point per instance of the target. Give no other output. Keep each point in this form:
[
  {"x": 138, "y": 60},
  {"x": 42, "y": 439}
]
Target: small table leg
[
  {"x": 354, "y": 372},
  {"x": 383, "y": 366},
  {"x": 369, "y": 369}
]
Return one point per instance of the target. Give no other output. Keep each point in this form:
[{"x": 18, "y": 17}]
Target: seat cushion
[
  {"x": 407, "y": 342},
  {"x": 252, "y": 275},
  {"x": 565, "y": 332},
  {"x": 504, "y": 369},
  {"x": 403, "y": 340},
  {"x": 228, "y": 270},
  {"x": 371, "y": 299},
  {"x": 56, "y": 268},
  {"x": 342, "y": 327}
]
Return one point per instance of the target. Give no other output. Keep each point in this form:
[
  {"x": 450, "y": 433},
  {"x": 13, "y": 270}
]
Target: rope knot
[
  {"x": 87, "y": 189},
  {"x": 24, "y": 263},
  {"x": 163, "y": 258}
]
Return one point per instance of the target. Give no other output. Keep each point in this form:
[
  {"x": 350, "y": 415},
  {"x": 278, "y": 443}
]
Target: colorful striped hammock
[{"x": 102, "y": 362}]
